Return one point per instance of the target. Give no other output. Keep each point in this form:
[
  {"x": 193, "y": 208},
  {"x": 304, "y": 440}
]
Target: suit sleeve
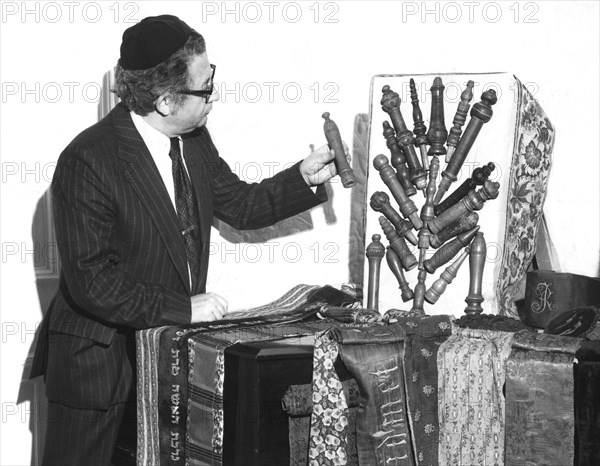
[
  {"x": 86, "y": 231},
  {"x": 248, "y": 206}
]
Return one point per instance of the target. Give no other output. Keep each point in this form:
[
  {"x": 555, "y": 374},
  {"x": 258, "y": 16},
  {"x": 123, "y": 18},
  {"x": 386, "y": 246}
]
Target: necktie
[{"x": 187, "y": 210}]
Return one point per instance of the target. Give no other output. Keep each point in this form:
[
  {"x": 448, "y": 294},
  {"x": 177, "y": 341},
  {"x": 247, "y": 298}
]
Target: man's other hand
[
  {"x": 208, "y": 307},
  {"x": 318, "y": 167}
]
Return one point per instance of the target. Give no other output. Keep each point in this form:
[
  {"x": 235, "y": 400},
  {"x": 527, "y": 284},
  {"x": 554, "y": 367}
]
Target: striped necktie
[{"x": 187, "y": 211}]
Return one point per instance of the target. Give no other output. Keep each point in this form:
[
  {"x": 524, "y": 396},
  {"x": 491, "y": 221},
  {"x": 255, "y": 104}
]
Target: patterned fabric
[
  {"x": 530, "y": 169},
  {"x": 539, "y": 408},
  {"x": 329, "y": 420},
  {"x": 297, "y": 400},
  {"x": 373, "y": 355},
  {"x": 540, "y": 423},
  {"x": 187, "y": 210},
  {"x": 425, "y": 334},
  {"x": 471, "y": 372},
  {"x": 182, "y": 355}
]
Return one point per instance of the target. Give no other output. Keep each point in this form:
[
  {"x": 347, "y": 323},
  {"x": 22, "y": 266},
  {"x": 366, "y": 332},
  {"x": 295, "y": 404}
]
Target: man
[{"x": 134, "y": 197}]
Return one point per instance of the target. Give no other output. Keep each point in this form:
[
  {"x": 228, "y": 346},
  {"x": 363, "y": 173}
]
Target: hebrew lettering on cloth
[
  {"x": 424, "y": 335},
  {"x": 373, "y": 355},
  {"x": 519, "y": 140},
  {"x": 181, "y": 374},
  {"x": 297, "y": 403},
  {"x": 540, "y": 389},
  {"x": 471, "y": 373}
]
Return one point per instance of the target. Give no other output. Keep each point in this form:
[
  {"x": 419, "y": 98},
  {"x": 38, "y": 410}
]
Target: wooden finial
[
  {"x": 375, "y": 252},
  {"x": 398, "y": 244},
  {"x": 472, "y": 201},
  {"x": 396, "y": 267},
  {"x": 459, "y": 119},
  {"x": 427, "y": 211},
  {"x": 445, "y": 254},
  {"x": 334, "y": 140},
  {"x": 480, "y": 113},
  {"x": 439, "y": 286},
  {"x": 407, "y": 207},
  {"x": 398, "y": 160},
  {"x": 464, "y": 223},
  {"x": 480, "y": 174},
  {"x": 419, "y": 298},
  {"x": 437, "y": 134},
  {"x": 380, "y": 202},
  {"x": 420, "y": 129},
  {"x": 390, "y": 102},
  {"x": 476, "y": 265}
]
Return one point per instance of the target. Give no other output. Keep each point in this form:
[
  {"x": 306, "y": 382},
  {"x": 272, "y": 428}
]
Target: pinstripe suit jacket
[{"x": 123, "y": 259}]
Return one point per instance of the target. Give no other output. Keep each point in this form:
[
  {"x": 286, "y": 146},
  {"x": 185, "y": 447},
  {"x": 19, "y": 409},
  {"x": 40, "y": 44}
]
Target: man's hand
[
  {"x": 208, "y": 307},
  {"x": 318, "y": 167}
]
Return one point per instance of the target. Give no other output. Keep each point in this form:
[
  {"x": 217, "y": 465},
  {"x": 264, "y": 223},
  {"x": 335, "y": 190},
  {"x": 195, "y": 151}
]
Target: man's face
[{"x": 193, "y": 111}]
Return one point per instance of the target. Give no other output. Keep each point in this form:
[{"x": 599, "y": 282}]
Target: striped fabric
[{"x": 181, "y": 375}]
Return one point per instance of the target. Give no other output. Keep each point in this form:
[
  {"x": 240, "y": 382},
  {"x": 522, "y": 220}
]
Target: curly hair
[{"x": 139, "y": 89}]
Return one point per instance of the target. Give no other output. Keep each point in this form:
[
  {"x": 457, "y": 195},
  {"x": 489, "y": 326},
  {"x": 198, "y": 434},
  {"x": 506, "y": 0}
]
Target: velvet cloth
[
  {"x": 540, "y": 417},
  {"x": 373, "y": 355},
  {"x": 425, "y": 334},
  {"x": 471, "y": 372},
  {"x": 587, "y": 404},
  {"x": 181, "y": 374}
]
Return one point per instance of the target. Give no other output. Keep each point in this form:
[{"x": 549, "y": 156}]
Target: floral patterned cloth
[
  {"x": 373, "y": 355},
  {"x": 471, "y": 372},
  {"x": 425, "y": 334},
  {"x": 329, "y": 420},
  {"x": 532, "y": 159}
]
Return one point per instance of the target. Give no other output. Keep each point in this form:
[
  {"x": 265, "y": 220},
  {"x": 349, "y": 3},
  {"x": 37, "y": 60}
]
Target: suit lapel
[{"x": 140, "y": 171}]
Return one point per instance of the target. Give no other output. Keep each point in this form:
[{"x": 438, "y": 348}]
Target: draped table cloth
[{"x": 181, "y": 374}]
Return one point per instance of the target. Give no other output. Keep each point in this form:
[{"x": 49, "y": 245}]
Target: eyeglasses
[{"x": 206, "y": 93}]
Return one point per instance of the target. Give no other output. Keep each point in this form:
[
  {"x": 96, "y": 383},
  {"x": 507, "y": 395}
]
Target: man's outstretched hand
[
  {"x": 318, "y": 167},
  {"x": 208, "y": 307}
]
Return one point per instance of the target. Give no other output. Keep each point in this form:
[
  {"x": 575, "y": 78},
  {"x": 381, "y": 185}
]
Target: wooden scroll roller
[
  {"x": 464, "y": 223},
  {"x": 398, "y": 160},
  {"x": 472, "y": 201},
  {"x": 437, "y": 134},
  {"x": 396, "y": 267},
  {"x": 390, "y": 102},
  {"x": 375, "y": 252},
  {"x": 447, "y": 252},
  {"x": 427, "y": 210},
  {"x": 419, "y": 129},
  {"x": 480, "y": 113},
  {"x": 397, "y": 243},
  {"x": 388, "y": 175},
  {"x": 476, "y": 265},
  {"x": 439, "y": 286},
  {"x": 334, "y": 140},
  {"x": 380, "y": 202},
  {"x": 419, "y": 298},
  {"x": 479, "y": 176},
  {"x": 459, "y": 119}
]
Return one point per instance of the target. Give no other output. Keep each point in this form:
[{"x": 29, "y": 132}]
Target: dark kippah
[{"x": 152, "y": 41}]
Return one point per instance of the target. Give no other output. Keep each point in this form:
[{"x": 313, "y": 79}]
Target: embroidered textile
[
  {"x": 166, "y": 412},
  {"x": 540, "y": 418},
  {"x": 471, "y": 372},
  {"x": 373, "y": 355},
  {"x": 530, "y": 169}
]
